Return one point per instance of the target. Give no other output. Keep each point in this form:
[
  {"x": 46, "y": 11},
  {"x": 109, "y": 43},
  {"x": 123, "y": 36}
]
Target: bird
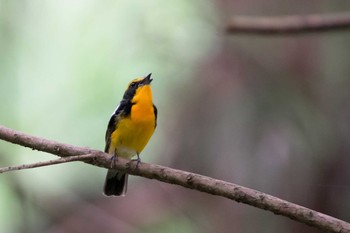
[{"x": 130, "y": 128}]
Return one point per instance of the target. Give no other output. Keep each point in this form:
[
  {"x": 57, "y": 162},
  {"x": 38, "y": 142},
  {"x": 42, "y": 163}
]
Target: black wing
[
  {"x": 155, "y": 114},
  {"x": 122, "y": 110},
  {"x": 110, "y": 129},
  {"x": 112, "y": 124}
]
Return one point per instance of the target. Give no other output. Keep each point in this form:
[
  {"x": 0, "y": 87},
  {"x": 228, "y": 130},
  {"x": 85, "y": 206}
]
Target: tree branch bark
[
  {"x": 186, "y": 179},
  {"x": 293, "y": 24},
  {"x": 47, "y": 163}
]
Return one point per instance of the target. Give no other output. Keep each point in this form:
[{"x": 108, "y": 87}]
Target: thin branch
[
  {"x": 293, "y": 24},
  {"x": 47, "y": 163},
  {"x": 186, "y": 179}
]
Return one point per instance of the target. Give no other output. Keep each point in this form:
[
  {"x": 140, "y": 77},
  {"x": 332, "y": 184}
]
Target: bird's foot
[
  {"x": 114, "y": 159},
  {"x": 138, "y": 160}
]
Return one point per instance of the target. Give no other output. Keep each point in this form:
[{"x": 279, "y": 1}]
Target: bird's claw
[
  {"x": 138, "y": 161},
  {"x": 114, "y": 158}
]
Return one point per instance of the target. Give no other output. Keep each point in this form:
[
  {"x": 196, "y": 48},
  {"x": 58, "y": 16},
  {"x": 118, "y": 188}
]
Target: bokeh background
[{"x": 269, "y": 113}]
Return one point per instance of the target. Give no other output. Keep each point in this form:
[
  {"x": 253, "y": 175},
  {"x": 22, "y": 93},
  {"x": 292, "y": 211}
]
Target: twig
[
  {"x": 186, "y": 179},
  {"x": 293, "y": 24},
  {"x": 47, "y": 163}
]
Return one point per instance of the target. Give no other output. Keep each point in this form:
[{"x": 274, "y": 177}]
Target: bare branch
[
  {"x": 47, "y": 163},
  {"x": 186, "y": 179},
  {"x": 293, "y": 24}
]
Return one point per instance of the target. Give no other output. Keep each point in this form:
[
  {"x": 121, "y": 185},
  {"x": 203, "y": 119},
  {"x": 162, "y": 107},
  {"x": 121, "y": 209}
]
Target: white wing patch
[{"x": 115, "y": 109}]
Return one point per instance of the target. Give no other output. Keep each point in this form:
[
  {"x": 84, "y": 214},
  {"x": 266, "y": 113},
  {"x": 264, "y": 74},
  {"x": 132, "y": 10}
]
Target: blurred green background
[{"x": 270, "y": 113}]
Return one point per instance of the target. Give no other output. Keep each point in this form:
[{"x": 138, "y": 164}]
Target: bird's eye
[{"x": 133, "y": 84}]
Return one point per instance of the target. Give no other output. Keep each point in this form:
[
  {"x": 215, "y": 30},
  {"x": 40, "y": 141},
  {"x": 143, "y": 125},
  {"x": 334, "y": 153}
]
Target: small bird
[{"x": 130, "y": 128}]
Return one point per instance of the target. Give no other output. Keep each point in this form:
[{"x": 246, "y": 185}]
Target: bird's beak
[{"x": 147, "y": 79}]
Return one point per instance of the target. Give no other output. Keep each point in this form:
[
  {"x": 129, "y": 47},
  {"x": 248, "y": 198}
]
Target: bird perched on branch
[{"x": 130, "y": 128}]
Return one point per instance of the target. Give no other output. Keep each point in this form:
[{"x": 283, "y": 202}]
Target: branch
[
  {"x": 47, "y": 163},
  {"x": 293, "y": 24},
  {"x": 186, "y": 179}
]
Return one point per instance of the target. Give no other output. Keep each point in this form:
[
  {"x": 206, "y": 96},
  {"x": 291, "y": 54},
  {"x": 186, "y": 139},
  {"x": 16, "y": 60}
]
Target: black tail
[{"x": 116, "y": 183}]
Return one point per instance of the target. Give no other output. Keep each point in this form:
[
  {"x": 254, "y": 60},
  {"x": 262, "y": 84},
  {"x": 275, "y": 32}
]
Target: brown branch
[
  {"x": 293, "y": 24},
  {"x": 186, "y": 179},
  {"x": 47, "y": 163}
]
